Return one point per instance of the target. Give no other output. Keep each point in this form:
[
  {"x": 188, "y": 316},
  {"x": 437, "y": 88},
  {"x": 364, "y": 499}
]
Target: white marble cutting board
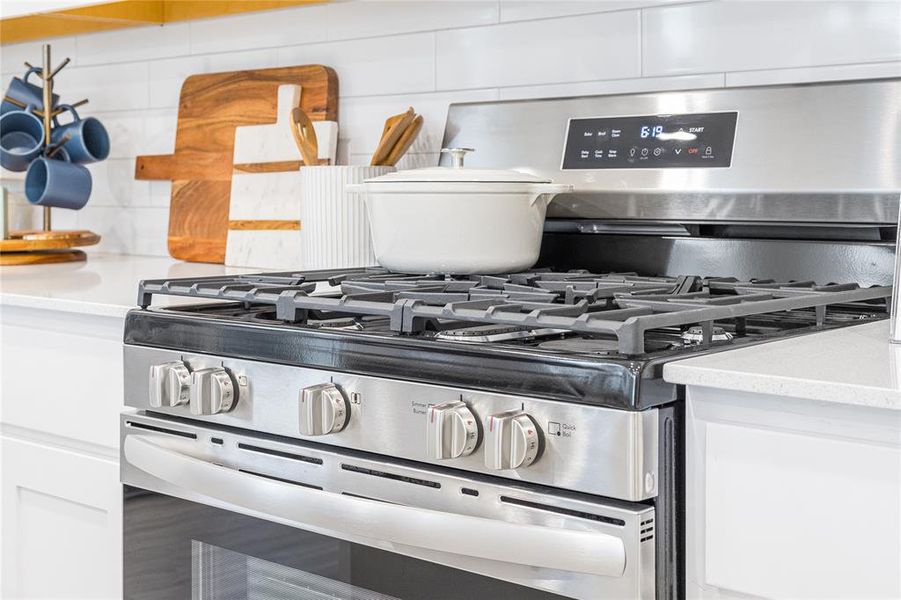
[{"x": 264, "y": 210}]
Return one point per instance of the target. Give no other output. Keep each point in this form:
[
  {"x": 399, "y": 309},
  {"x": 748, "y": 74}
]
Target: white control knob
[
  {"x": 453, "y": 431},
  {"x": 170, "y": 384},
  {"x": 512, "y": 440},
  {"x": 212, "y": 391},
  {"x": 323, "y": 409}
]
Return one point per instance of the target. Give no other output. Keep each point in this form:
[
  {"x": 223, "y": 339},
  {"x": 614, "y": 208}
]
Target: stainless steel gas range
[{"x": 365, "y": 434}]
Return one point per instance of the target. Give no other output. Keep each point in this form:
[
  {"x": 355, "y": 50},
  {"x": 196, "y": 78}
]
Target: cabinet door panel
[
  {"x": 798, "y": 516},
  {"x": 791, "y": 498},
  {"x": 62, "y": 373},
  {"x": 61, "y": 523}
]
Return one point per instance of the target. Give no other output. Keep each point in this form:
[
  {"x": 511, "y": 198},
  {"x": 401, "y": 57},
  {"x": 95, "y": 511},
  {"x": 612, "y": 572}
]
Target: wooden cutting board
[{"x": 210, "y": 107}]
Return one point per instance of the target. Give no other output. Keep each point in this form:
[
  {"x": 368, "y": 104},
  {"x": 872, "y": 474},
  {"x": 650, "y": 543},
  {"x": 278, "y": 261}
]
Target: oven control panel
[
  {"x": 581, "y": 447},
  {"x": 697, "y": 140}
]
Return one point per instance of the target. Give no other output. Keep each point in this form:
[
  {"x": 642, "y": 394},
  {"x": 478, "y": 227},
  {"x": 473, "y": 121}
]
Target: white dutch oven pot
[{"x": 457, "y": 220}]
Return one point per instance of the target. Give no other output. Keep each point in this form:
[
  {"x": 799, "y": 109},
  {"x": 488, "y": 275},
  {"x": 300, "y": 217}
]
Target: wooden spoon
[
  {"x": 390, "y": 135},
  {"x": 405, "y": 141},
  {"x": 389, "y": 122},
  {"x": 305, "y": 136}
]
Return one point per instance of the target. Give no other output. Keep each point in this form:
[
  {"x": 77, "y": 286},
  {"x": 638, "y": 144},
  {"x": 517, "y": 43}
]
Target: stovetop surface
[{"x": 622, "y": 315}]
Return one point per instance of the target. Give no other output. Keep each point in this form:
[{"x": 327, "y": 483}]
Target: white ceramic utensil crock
[
  {"x": 335, "y": 230},
  {"x": 457, "y": 220}
]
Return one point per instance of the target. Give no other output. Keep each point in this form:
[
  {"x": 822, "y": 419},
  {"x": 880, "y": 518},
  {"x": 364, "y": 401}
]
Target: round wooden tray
[
  {"x": 42, "y": 247},
  {"x": 23, "y": 241},
  {"x": 41, "y": 257}
]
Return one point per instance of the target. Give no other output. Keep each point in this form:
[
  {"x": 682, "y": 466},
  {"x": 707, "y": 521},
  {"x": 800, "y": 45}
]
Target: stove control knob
[
  {"x": 323, "y": 409},
  {"x": 212, "y": 391},
  {"x": 453, "y": 431},
  {"x": 170, "y": 384},
  {"x": 512, "y": 441}
]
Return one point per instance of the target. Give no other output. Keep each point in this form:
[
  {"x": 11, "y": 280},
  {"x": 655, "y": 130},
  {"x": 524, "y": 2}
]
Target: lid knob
[{"x": 457, "y": 155}]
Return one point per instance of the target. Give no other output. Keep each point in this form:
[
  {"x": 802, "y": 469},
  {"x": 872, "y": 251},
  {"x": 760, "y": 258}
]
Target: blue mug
[
  {"x": 89, "y": 142},
  {"x": 21, "y": 139},
  {"x": 57, "y": 182},
  {"x": 27, "y": 93}
]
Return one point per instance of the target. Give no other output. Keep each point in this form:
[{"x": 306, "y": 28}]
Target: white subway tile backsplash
[
  {"x": 810, "y": 74},
  {"x": 125, "y": 128},
  {"x": 391, "y": 55},
  {"x": 114, "y": 184},
  {"x": 62, "y": 219},
  {"x": 399, "y": 64},
  {"x": 585, "y": 48},
  {"x": 747, "y": 35},
  {"x": 160, "y": 193},
  {"x": 127, "y": 45},
  {"x": 122, "y": 86},
  {"x": 615, "y": 86},
  {"x": 159, "y": 131},
  {"x": 267, "y": 29},
  {"x": 130, "y": 230},
  {"x": 167, "y": 76},
  {"x": 13, "y": 56},
  {"x": 347, "y": 20}
]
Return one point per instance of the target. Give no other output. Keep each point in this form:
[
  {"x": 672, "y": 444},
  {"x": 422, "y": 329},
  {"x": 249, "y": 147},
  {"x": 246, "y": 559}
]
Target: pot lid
[{"x": 458, "y": 174}]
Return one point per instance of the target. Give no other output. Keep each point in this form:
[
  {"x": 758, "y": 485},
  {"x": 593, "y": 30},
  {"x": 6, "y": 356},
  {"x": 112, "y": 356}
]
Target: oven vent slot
[
  {"x": 563, "y": 511},
  {"x": 184, "y": 434},
  {"x": 280, "y": 454},
  {"x": 647, "y": 530},
  {"x": 392, "y": 476},
  {"x": 274, "y": 478}
]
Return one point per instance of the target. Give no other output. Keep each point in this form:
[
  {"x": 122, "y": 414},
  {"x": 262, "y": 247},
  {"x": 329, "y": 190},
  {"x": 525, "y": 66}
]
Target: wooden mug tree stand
[{"x": 45, "y": 245}]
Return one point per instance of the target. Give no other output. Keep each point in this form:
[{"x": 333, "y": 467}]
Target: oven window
[
  {"x": 179, "y": 549},
  {"x": 221, "y": 574}
]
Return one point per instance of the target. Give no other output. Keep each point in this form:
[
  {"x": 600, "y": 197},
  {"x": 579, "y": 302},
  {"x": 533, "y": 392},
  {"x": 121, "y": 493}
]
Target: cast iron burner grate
[{"x": 621, "y": 305}]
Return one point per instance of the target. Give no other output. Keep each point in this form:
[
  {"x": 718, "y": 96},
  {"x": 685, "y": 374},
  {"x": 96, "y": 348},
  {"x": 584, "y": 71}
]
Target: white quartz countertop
[
  {"x": 106, "y": 284},
  {"x": 853, "y": 365}
]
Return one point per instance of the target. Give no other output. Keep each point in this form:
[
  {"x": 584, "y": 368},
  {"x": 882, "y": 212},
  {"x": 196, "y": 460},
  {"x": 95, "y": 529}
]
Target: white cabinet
[
  {"x": 790, "y": 498},
  {"x": 60, "y": 497},
  {"x": 62, "y": 522}
]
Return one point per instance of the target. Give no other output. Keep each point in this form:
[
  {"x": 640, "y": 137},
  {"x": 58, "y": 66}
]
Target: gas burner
[
  {"x": 582, "y": 345},
  {"x": 344, "y": 324},
  {"x": 599, "y": 346},
  {"x": 494, "y": 333},
  {"x": 695, "y": 335},
  {"x": 338, "y": 323}
]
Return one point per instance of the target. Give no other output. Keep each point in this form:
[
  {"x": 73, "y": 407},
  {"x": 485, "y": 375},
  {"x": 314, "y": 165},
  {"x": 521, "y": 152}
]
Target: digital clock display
[
  {"x": 647, "y": 131},
  {"x": 698, "y": 140}
]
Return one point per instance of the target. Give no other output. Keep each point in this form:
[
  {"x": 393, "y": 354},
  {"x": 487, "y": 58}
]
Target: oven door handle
[{"x": 343, "y": 516}]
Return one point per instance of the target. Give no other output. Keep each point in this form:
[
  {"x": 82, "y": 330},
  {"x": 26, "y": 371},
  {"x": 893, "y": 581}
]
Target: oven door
[{"x": 219, "y": 514}]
